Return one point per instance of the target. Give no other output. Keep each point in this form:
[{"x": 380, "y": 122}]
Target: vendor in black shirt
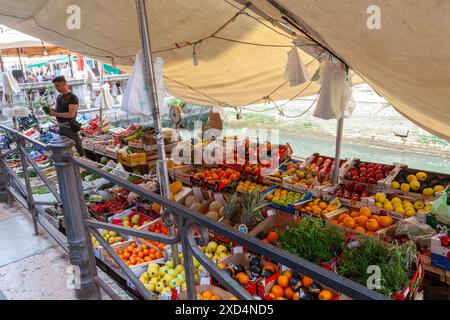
[{"x": 66, "y": 113}]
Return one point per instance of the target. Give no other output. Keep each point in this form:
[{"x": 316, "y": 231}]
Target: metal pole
[
  {"x": 153, "y": 98},
  {"x": 187, "y": 260},
  {"x": 2, "y": 66},
  {"x": 30, "y": 200},
  {"x": 70, "y": 65},
  {"x": 20, "y": 62},
  {"x": 81, "y": 253},
  {"x": 337, "y": 157},
  {"x": 103, "y": 96}
]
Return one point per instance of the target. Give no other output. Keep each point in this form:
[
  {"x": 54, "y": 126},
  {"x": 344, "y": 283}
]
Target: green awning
[{"x": 37, "y": 64}]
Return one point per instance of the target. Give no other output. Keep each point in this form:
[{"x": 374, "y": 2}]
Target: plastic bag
[
  {"x": 135, "y": 100},
  {"x": 419, "y": 233},
  {"x": 295, "y": 72}
]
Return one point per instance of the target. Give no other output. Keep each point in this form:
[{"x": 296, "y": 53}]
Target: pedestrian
[{"x": 66, "y": 113}]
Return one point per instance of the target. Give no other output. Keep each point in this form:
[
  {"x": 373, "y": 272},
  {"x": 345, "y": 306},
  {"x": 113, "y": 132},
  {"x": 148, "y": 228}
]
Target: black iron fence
[{"x": 79, "y": 226}]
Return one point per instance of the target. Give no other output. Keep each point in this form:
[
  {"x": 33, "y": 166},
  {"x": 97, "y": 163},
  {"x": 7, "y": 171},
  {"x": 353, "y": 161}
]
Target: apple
[
  {"x": 371, "y": 165},
  {"x": 379, "y": 177},
  {"x": 363, "y": 179},
  {"x": 359, "y": 188},
  {"x": 350, "y": 187},
  {"x": 371, "y": 171},
  {"x": 362, "y": 174},
  {"x": 339, "y": 193},
  {"x": 364, "y": 194},
  {"x": 379, "y": 172},
  {"x": 372, "y": 180},
  {"x": 355, "y": 196},
  {"x": 348, "y": 175},
  {"x": 378, "y": 166},
  {"x": 355, "y": 178},
  {"x": 362, "y": 169}
]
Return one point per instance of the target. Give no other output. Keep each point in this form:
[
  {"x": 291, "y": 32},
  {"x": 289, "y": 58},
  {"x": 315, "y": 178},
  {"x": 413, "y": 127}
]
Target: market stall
[{"x": 341, "y": 214}]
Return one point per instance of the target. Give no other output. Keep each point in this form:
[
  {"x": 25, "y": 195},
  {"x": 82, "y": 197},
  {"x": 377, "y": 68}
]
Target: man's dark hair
[{"x": 59, "y": 79}]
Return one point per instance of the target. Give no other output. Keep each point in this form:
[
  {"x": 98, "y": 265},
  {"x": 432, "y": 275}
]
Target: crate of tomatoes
[{"x": 216, "y": 179}]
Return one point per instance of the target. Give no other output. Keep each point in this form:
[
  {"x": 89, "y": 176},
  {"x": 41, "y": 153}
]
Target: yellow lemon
[
  {"x": 405, "y": 187},
  {"x": 410, "y": 178},
  {"x": 395, "y": 185},
  {"x": 438, "y": 188},
  {"x": 415, "y": 185},
  {"x": 421, "y": 176}
]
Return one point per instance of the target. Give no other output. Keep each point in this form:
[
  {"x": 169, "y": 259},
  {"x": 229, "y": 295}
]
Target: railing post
[
  {"x": 4, "y": 195},
  {"x": 81, "y": 253},
  {"x": 187, "y": 259},
  {"x": 30, "y": 200}
]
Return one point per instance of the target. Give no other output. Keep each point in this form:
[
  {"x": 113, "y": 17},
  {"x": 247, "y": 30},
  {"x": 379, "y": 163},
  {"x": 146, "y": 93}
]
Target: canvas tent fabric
[
  {"x": 11, "y": 40},
  {"x": 406, "y": 61}
]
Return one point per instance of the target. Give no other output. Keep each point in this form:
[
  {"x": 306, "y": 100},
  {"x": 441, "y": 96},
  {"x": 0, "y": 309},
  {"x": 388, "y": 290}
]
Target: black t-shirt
[{"x": 62, "y": 104}]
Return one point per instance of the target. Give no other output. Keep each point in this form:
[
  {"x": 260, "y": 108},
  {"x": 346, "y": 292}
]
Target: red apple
[
  {"x": 363, "y": 179},
  {"x": 371, "y": 165},
  {"x": 362, "y": 174},
  {"x": 350, "y": 187},
  {"x": 364, "y": 194},
  {"x": 379, "y": 177},
  {"x": 372, "y": 180}
]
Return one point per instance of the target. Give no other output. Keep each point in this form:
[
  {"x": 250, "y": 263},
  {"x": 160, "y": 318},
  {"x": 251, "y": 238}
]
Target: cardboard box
[
  {"x": 440, "y": 256},
  {"x": 415, "y": 195},
  {"x": 253, "y": 287},
  {"x": 421, "y": 217},
  {"x": 275, "y": 221},
  {"x": 137, "y": 269},
  {"x": 224, "y": 295}
]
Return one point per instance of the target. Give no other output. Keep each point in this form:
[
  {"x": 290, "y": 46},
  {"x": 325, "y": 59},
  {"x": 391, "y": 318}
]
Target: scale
[{"x": 175, "y": 115}]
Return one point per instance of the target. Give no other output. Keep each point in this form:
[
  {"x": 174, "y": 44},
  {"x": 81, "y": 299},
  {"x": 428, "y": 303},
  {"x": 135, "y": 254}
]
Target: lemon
[
  {"x": 405, "y": 187},
  {"x": 438, "y": 188},
  {"x": 395, "y": 185},
  {"x": 400, "y": 210},
  {"x": 410, "y": 178},
  {"x": 395, "y": 200},
  {"x": 379, "y": 204},
  {"x": 388, "y": 206},
  {"x": 380, "y": 197},
  {"x": 421, "y": 176},
  {"x": 428, "y": 207},
  {"x": 415, "y": 185},
  {"x": 428, "y": 192},
  {"x": 410, "y": 212},
  {"x": 418, "y": 205}
]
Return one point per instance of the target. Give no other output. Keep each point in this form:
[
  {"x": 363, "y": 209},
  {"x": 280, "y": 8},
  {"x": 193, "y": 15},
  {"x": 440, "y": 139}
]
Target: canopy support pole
[
  {"x": 153, "y": 98},
  {"x": 2, "y": 66},
  {"x": 337, "y": 158},
  {"x": 102, "y": 92},
  {"x": 70, "y": 64},
  {"x": 21, "y": 65}
]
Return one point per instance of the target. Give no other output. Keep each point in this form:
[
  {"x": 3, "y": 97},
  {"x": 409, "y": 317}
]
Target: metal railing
[{"x": 79, "y": 226}]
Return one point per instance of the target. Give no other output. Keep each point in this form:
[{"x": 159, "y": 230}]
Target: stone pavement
[{"x": 33, "y": 267}]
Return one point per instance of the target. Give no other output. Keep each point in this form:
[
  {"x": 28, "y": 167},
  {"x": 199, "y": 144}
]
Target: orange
[
  {"x": 325, "y": 295},
  {"x": 354, "y": 214},
  {"x": 371, "y": 233},
  {"x": 143, "y": 247},
  {"x": 375, "y": 217},
  {"x": 289, "y": 293},
  {"x": 288, "y": 273},
  {"x": 207, "y": 295},
  {"x": 349, "y": 222},
  {"x": 242, "y": 278},
  {"x": 307, "y": 281},
  {"x": 360, "y": 229},
  {"x": 277, "y": 291},
  {"x": 365, "y": 212},
  {"x": 272, "y": 237},
  {"x": 342, "y": 217},
  {"x": 214, "y": 297},
  {"x": 283, "y": 281},
  {"x": 317, "y": 211},
  {"x": 385, "y": 221},
  {"x": 158, "y": 255},
  {"x": 296, "y": 296},
  {"x": 323, "y": 205},
  {"x": 372, "y": 225},
  {"x": 134, "y": 245},
  {"x": 361, "y": 221}
]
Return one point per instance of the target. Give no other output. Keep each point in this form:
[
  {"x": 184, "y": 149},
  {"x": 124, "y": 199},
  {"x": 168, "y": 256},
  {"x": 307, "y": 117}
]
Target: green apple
[
  {"x": 170, "y": 264},
  {"x": 150, "y": 286},
  {"x": 174, "y": 283},
  {"x": 163, "y": 271},
  {"x": 153, "y": 272},
  {"x": 159, "y": 287},
  {"x": 179, "y": 268},
  {"x": 172, "y": 272},
  {"x": 126, "y": 223},
  {"x": 181, "y": 277}
]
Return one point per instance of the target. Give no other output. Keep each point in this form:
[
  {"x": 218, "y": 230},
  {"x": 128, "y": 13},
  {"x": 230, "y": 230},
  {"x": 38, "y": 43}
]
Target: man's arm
[{"x": 73, "y": 108}]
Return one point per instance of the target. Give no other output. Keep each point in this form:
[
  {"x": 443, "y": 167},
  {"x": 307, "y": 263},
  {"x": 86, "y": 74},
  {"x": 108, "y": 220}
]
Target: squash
[
  {"x": 176, "y": 187},
  {"x": 190, "y": 200},
  {"x": 195, "y": 206},
  {"x": 213, "y": 215},
  {"x": 216, "y": 205}
]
